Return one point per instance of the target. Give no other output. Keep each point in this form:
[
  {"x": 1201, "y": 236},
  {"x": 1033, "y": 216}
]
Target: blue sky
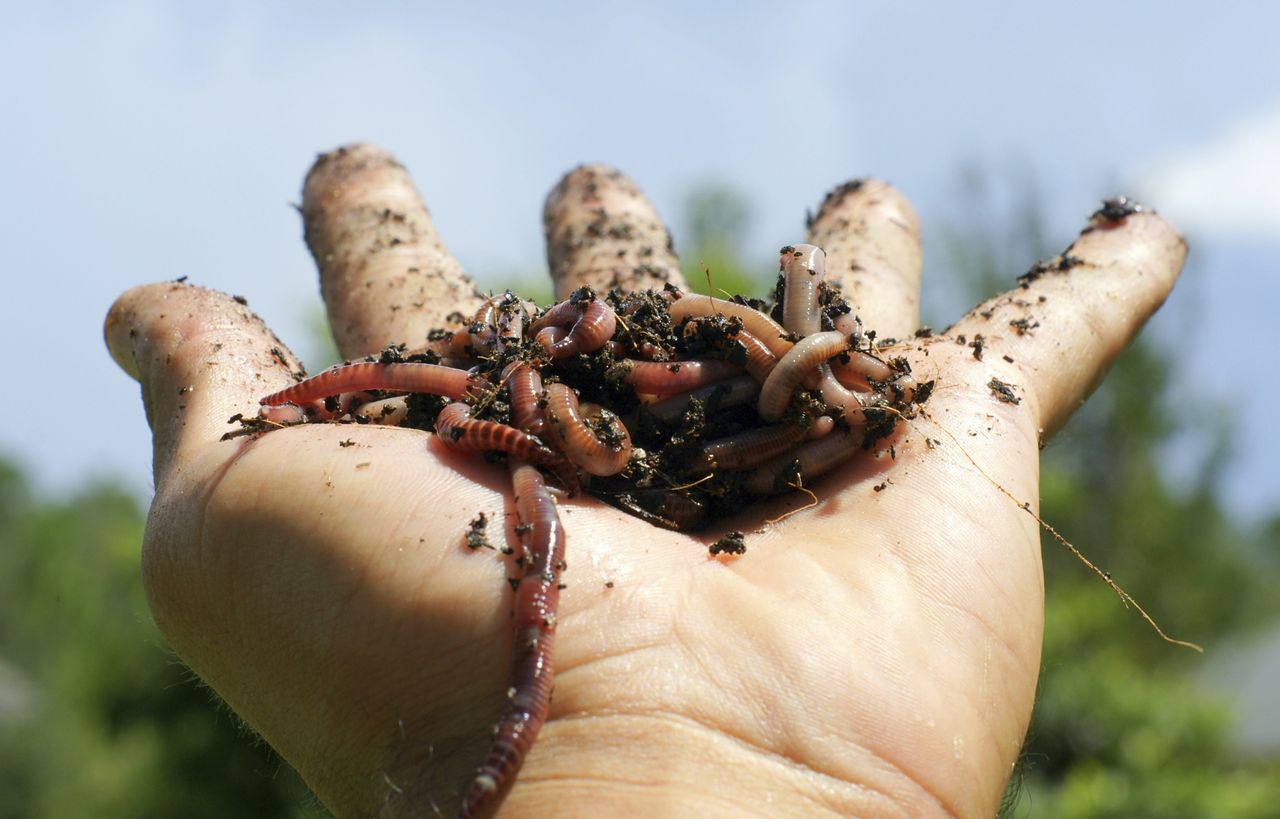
[{"x": 144, "y": 141}]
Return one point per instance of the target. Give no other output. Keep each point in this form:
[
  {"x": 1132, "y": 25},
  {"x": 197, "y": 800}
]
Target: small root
[
  {"x": 799, "y": 487},
  {"x": 1125, "y": 597}
]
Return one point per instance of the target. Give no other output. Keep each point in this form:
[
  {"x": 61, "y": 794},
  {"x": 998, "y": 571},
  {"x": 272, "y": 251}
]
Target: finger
[
  {"x": 385, "y": 275},
  {"x": 201, "y": 357},
  {"x": 872, "y": 238},
  {"x": 603, "y": 233},
  {"x": 1073, "y": 315}
]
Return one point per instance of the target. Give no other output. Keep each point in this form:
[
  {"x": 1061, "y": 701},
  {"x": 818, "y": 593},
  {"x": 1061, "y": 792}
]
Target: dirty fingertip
[
  {"x": 603, "y": 232},
  {"x": 200, "y": 356}
]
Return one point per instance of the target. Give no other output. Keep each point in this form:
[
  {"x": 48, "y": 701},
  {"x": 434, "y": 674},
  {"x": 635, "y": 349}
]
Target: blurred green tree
[
  {"x": 716, "y": 218},
  {"x": 103, "y": 720}
]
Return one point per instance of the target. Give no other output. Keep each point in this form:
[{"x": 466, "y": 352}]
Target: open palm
[{"x": 873, "y": 654}]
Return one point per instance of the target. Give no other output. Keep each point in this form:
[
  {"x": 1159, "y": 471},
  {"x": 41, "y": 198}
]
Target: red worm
[
  {"x": 814, "y": 458},
  {"x": 589, "y": 328},
  {"x": 850, "y": 403},
  {"x": 672, "y": 377},
  {"x": 287, "y": 413},
  {"x": 860, "y": 368},
  {"x": 760, "y": 359},
  {"x": 375, "y": 375},
  {"x": 905, "y": 387},
  {"x": 481, "y": 334},
  {"x": 682, "y": 511},
  {"x": 805, "y": 267},
  {"x": 864, "y": 369},
  {"x": 849, "y": 324},
  {"x": 822, "y": 425},
  {"x": 501, "y": 319},
  {"x": 801, "y": 360},
  {"x": 513, "y": 319},
  {"x": 645, "y": 349},
  {"x": 753, "y": 321},
  {"x": 734, "y": 392},
  {"x": 525, "y": 385},
  {"x": 536, "y": 604},
  {"x": 458, "y": 430},
  {"x": 750, "y": 447},
  {"x": 577, "y": 441}
]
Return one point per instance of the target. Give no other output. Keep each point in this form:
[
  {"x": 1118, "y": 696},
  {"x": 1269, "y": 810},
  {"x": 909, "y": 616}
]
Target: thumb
[{"x": 200, "y": 357}]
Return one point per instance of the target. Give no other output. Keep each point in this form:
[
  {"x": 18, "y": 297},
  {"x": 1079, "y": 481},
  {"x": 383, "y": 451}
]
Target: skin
[{"x": 873, "y": 655}]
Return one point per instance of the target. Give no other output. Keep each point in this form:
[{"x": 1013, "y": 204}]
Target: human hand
[{"x": 876, "y": 654}]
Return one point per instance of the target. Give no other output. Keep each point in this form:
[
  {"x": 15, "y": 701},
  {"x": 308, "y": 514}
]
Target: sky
[{"x": 144, "y": 141}]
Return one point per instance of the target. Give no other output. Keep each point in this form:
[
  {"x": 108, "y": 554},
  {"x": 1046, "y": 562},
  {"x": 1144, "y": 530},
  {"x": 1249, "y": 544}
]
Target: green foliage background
[{"x": 97, "y": 717}]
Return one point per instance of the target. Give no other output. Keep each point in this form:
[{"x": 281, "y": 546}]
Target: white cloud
[{"x": 1227, "y": 186}]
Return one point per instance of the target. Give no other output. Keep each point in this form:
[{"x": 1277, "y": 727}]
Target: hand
[{"x": 875, "y": 654}]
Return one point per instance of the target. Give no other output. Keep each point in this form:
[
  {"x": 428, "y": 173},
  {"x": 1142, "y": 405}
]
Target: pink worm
[
  {"x": 673, "y": 377},
  {"x": 760, "y": 359},
  {"x": 577, "y": 441},
  {"x": 458, "y": 430},
  {"x": 375, "y": 375},
  {"x": 589, "y": 328},
  {"x": 805, "y": 266},
  {"x": 536, "y": 605},
  {"x": 815, "y": 458},
  {"x": 736, "y": 391},
  {"x": 525, "y": 385},
  {"x": 801, "y": 360},
  {"x": 753, "y": 321},
  {"x": 750, "y": 447}
]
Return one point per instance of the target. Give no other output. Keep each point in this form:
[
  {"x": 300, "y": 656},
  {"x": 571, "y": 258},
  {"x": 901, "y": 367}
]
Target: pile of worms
[{"x": 678, "y": 408}]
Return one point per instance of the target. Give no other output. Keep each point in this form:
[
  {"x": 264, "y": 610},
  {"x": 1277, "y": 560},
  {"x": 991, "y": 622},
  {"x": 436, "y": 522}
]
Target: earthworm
[
  {"x": 387, "y": 412},
  {"x": 645, "y": 349},
  {"x": 864, "y": 369},
  {"x": 483, "y": 330},
  {"x": 732, "y": 392},
  {"x": 802, "y": 359},
  {"x": 860, "y": 369},
  {"x": 525, "y": 385},
  {"x": 289, "y": 413},
  {"x": 683, "y": 511},
  {"x": 849, "y": 324},
  {"x": 850, "y": 403},
  {"x": 589, "y": 326},
  {"x": 822, "y": 425},
  {"x": 760, "y": 359},
  {"x": 753, "y": 321},
  {"x": 904, "y": 388},
  {"x": 331, "y": 408},
  {"x": 551, "y": 337},
  {"x": 805, "y": 267},
  {"x": 579, "y": 442},
  {"x": 667, "y": 508},
  {"x": 750, "y": 447},
  {"x": 533, "y": 671},
  {"x": 458, "y": 430},
  {"x": 376, "y": 375},
  {"x": 671, "y": 377},
  {"x": 806, "y": 463}
]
